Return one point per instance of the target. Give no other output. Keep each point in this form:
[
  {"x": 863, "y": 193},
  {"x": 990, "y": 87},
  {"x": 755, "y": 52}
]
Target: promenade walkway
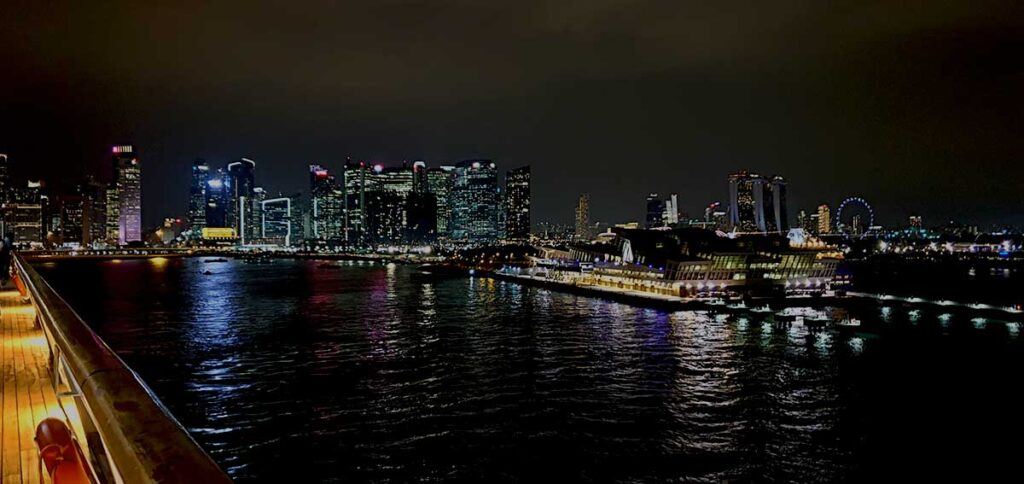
[{"x": 28, "y": 390}]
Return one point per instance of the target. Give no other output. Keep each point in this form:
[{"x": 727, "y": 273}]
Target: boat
[
  {"x": 762, "y": 309},
  {"x": 848, "y": 325},
  {"x": 219, "y": 259},
  {"x": 257, "y": 259},
  {"x": 817, "y": 321},
  {"x": 715, "y": 302},
  {"x": 740, "y": 305}
]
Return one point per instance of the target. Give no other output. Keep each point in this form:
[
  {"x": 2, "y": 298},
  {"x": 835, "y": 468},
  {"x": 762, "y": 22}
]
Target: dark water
[{"x": 371, "y": 373}]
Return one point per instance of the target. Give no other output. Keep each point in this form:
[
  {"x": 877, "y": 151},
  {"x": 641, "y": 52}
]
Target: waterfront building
[
  {"x": 476, "y": 204},
  {"x": 824, "y": 220},
  {"x": 697, "y": 262},
  {"x": 396, "y": 179},
  {"x": 419, "y": 177},
  {"x": 218, "y": 201},
  {"x": 441, "y": 183},
  {"x": 242, "y": 174},
  {"x": 94, "y": 195},
  {"x": 356, "y": 178},
  {"x": 517, "y": 204},
  {"x": 128, "y": 187},
  {"x": 778, "y": 222},
  {"x": 197, "y": 197},
  {"x": 278, "y": 220},
  {"x": 326, "y": 206},
  {"x": 583, "y": 217},
  {"x": 73, "y": 220},
  {"x": 23, "y": 213}
]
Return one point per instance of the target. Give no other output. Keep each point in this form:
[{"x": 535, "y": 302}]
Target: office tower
[
  {"x": 476, "y": 204},
  {"x": 517, "y": 204},
  {"x": 440, "y": 183},
  {"x": 24, "y": 213},
  {"x": 398, "y": 179},
  {"x": 197, "y": 197},
  {"x": 384, "y": 210},
  {"x": 242, "y": 174},
  {"x": 915, "y": 222},
  {"x": 218, "y": 200},
  {"x": 356, "y": 178},
  {"x": 419, "y": 177},
  {"x": 94, "y": 216},
  {"x": 824, "y": 220},
  {"x": 655, "y": 211},
  {"x": 113, "y": 215},
  {"x": 671, "y": 216},
  {"x": 278, "y": 225},
  {"x": 326, "y": 206},
  {"x": 73, "y": 222},
  {"x": 128, "y": 185},
  {"x": 583, "y": 217},
  {"x": 251, "y": 220}
]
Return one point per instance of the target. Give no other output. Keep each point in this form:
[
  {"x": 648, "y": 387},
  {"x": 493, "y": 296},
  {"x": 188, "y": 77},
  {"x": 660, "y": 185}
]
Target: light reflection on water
[{"x": 372, "y": 373}]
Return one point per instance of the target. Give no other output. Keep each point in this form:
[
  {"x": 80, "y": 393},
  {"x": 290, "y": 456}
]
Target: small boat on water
[
  {"x": 219, "y": 259},
  {"x": 848, "y": 325},
  {"x": 816, "y": 321},
  {"x": 762, "y": 309},
  {"x": 715, "y": 302}
]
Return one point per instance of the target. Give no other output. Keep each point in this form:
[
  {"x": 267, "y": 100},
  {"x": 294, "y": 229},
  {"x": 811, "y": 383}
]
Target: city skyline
[{"x": 829, "y": 101}]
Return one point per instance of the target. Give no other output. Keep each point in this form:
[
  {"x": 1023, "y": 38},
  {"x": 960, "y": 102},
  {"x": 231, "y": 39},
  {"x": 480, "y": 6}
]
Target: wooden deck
[{"x": 28, "y": 395}]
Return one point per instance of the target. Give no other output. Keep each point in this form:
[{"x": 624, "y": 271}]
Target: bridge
[{"x": 55, "y": 366}]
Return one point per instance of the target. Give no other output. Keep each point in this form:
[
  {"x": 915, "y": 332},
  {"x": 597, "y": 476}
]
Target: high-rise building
[
  {"x": 24, "y": 213},
  {"x": 279, "y": 224},
  {"x": 419, "y": 177},
  {"x": 517, "y": 204},
  {"x": 128, "y": 184},
  {"x": 397, "y": 179},
  {"x": 915, "y": 222},
  {"x": 384, "y": 217},
  {"x": 476, "y": 204},
  {"x": 243, "y": 182},
  {"x": 671, "y": 216},
  {"x": 326, "y": 206},
  {"x": 583, "y": 217},
  {"x": 824, "y": 220},
  {"x": 742, "y": 207},
  {"x": 197, "y": 197},
  {"x": 440, "y": 183},
  {"x": 94, "y": 217},
  {"x": 73, "y": 220},
  {"x": 356, "y": 178},
  {"x": 757, "y": 204},
  {"x": 5, "y": 178},
  {"x": 218, "y": 200},
  {"x": 655, "y": 211}
]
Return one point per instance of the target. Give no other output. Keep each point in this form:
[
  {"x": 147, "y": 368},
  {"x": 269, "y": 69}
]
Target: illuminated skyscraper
[
  {"x": 440, "y": 183},
  {"x": 655, "y": 211},
  {"x": 356, "y": 178},
  {"x": 824, "y": 220},
  {"x": 757, "y": 204},
  {"x": 326, "y": 206},
  {"x": 128, "y": 185},
  {"x": 24, "y": 213},
  {"x": 240, "y": 213},
  {"x": 583, "y": 217},
  {"x": 517, "y": 204},
  {"x": 218, "y": 200},
  {"x": 419, "y": 177},
  {"x": 476, "y": 204},
  {"x": 915, "y": 222},
  {"x": 279, "y": 221},
  {"x": 197, "y": 197}
]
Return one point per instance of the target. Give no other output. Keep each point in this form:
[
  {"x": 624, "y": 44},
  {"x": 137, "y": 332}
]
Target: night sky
[{"x": 916, "y": 105}]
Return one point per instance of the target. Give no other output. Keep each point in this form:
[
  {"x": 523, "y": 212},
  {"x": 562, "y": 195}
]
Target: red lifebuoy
[{"x": 59, "y": 452}]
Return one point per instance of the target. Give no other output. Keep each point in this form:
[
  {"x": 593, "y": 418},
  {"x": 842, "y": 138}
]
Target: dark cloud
[{"x": 915, "y": 105}]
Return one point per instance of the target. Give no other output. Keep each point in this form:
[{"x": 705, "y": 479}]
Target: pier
[{"x": 55, "y": 366}]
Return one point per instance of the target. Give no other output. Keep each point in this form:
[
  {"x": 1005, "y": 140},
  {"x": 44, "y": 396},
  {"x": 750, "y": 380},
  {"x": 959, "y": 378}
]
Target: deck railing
[{"x": 130, "y": 437}]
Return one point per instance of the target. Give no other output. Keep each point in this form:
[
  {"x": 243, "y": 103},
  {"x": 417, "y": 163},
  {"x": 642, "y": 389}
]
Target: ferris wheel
[{"x": 853, "y": 209}]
